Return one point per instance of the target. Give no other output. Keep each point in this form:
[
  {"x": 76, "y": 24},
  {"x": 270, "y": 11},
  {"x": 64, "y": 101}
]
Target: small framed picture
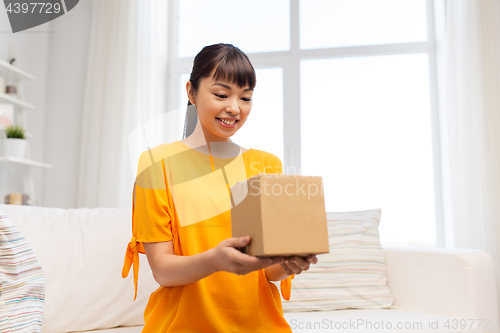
[{"x": 6, "y": 115}]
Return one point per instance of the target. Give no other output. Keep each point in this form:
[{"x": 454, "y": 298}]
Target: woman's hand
[
  {"x": 226, "y": 257},
  {"x": 296, "y": 264}
]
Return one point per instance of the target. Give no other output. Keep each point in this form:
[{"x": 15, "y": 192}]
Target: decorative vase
[{"x": 15, "y": 147}]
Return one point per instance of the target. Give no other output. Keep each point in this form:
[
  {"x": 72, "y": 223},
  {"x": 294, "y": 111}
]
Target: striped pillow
[
  {"x": 22, "y": 282},
  {"x": 352, "y": 275}
]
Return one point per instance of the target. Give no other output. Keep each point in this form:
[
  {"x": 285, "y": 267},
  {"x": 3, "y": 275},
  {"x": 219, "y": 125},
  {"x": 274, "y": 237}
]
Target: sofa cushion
[
  {"x": 352, "y": 275},
  {"x": 81, "y": 252},
  {"x": 22, "y": 282}
]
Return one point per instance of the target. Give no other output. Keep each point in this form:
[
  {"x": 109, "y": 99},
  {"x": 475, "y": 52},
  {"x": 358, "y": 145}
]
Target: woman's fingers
[
  {"x": 300, "y": 263},
  {"x": 296, "y": 264},
  {"x": 312, "y": 259},
  {"x": 290, "y": 264},
  {"x": 259, "y": 262},
  {"x": 286, "y": 268}
]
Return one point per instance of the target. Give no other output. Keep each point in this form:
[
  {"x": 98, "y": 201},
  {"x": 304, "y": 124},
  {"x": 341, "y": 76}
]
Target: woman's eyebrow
[{"x": 228, "y": 87}]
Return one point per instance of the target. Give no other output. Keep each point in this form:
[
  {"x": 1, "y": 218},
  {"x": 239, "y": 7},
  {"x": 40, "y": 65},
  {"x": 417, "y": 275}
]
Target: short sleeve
[
  {"x": 151, "y": 217},
  {"x": 151, "y": 213},
  {"x": 274, "y": 165}
]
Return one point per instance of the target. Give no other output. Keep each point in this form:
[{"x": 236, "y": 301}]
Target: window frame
[{"x": 290, "y": 61}]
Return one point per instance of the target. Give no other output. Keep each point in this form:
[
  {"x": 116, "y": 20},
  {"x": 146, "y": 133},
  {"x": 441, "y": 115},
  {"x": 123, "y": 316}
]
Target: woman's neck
[{"x": 207, "y": 143}]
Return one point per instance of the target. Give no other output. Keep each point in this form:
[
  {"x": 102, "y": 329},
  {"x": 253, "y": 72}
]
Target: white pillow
[
  {"x": 352, "y": 275},
  {"x": 22, "y": 282}
]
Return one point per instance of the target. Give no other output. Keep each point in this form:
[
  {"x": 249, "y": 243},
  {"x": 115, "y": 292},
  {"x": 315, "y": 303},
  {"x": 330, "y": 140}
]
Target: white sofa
[{"x": 82, "y": 252}]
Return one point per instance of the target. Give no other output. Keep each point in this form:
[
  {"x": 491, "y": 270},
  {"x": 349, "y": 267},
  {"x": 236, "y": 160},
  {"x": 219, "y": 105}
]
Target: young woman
[{"x": 181, "y": 219}]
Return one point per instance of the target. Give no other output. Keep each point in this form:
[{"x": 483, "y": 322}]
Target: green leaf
[{"x": 15, "y": 132}]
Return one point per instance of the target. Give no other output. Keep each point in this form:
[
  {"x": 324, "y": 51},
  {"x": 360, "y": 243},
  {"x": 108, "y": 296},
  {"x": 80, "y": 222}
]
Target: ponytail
[{"x": 191, "y": 120}]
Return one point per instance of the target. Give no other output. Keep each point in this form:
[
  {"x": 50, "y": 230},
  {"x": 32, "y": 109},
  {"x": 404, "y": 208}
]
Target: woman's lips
[{"x": 226, "y": 125}]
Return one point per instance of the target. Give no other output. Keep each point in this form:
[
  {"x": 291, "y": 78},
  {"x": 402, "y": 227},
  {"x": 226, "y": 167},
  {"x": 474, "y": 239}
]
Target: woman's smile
[{"x": 227, "y": 123}]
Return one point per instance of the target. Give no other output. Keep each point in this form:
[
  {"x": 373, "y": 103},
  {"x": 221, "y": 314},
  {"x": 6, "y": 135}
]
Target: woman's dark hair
[{"x": 232, "y": 65}]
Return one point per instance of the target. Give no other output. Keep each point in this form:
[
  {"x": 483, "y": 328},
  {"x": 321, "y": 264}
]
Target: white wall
[{"x": 56, "y": 53}]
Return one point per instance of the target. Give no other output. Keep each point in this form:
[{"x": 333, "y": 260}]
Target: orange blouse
[{"x": 182, "y": 195}]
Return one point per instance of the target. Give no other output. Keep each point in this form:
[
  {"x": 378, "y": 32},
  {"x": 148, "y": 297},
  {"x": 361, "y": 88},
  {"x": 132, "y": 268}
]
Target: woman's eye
[{"x": 246, "y": 99}]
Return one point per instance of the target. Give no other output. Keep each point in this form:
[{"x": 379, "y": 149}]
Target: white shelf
[
  {"x": 16, "y": 101},
  {"x": 14, "y": 75},
  {"x": 24, "y": 162},
  {"x": 14, "y": 72}
]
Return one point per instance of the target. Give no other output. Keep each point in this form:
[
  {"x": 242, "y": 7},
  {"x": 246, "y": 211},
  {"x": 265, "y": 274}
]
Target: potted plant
[{"x": 15, "y": 143}]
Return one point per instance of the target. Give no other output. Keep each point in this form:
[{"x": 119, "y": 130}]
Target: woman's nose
[
  {"x": 231, "y": 111},
  {"x": 233, "y": 107}
]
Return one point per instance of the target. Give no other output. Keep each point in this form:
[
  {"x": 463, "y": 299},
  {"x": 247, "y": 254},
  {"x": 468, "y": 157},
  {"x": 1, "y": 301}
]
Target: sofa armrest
[{"x": 453, "y": 282}]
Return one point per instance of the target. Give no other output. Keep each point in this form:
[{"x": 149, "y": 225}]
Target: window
[
  {"x": 202, "y": 22},
  {"x": 345, "y": 90},
  {"x": 361, "y": 22}
]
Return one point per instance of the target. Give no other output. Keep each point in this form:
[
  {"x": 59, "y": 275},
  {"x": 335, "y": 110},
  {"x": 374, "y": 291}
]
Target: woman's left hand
[{"x": 296, "y": 264}]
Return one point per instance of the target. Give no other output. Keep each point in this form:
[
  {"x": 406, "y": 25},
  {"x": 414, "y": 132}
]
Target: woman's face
[{"x": 220, "y": 100}]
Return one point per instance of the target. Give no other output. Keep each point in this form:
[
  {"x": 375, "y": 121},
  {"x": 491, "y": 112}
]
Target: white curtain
[
  {"x": 125, "y": 86},
  {"x": 469, "y": 59}
]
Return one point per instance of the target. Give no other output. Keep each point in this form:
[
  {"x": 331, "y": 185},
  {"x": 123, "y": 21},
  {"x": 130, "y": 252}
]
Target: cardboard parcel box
[{"x": 283, "y": 214}]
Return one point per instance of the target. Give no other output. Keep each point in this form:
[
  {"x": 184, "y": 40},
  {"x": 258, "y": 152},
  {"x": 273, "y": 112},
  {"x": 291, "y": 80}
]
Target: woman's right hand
[{"x": 226, "y": 257}]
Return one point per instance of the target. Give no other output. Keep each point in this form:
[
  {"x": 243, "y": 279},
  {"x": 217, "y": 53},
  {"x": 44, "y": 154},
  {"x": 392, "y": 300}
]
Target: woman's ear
[{"x": 190, "y": 92}]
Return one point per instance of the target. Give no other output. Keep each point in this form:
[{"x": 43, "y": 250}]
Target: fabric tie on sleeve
[
  {"x": 286, "y": 287},
  {"x": 132, "y": 257}
]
